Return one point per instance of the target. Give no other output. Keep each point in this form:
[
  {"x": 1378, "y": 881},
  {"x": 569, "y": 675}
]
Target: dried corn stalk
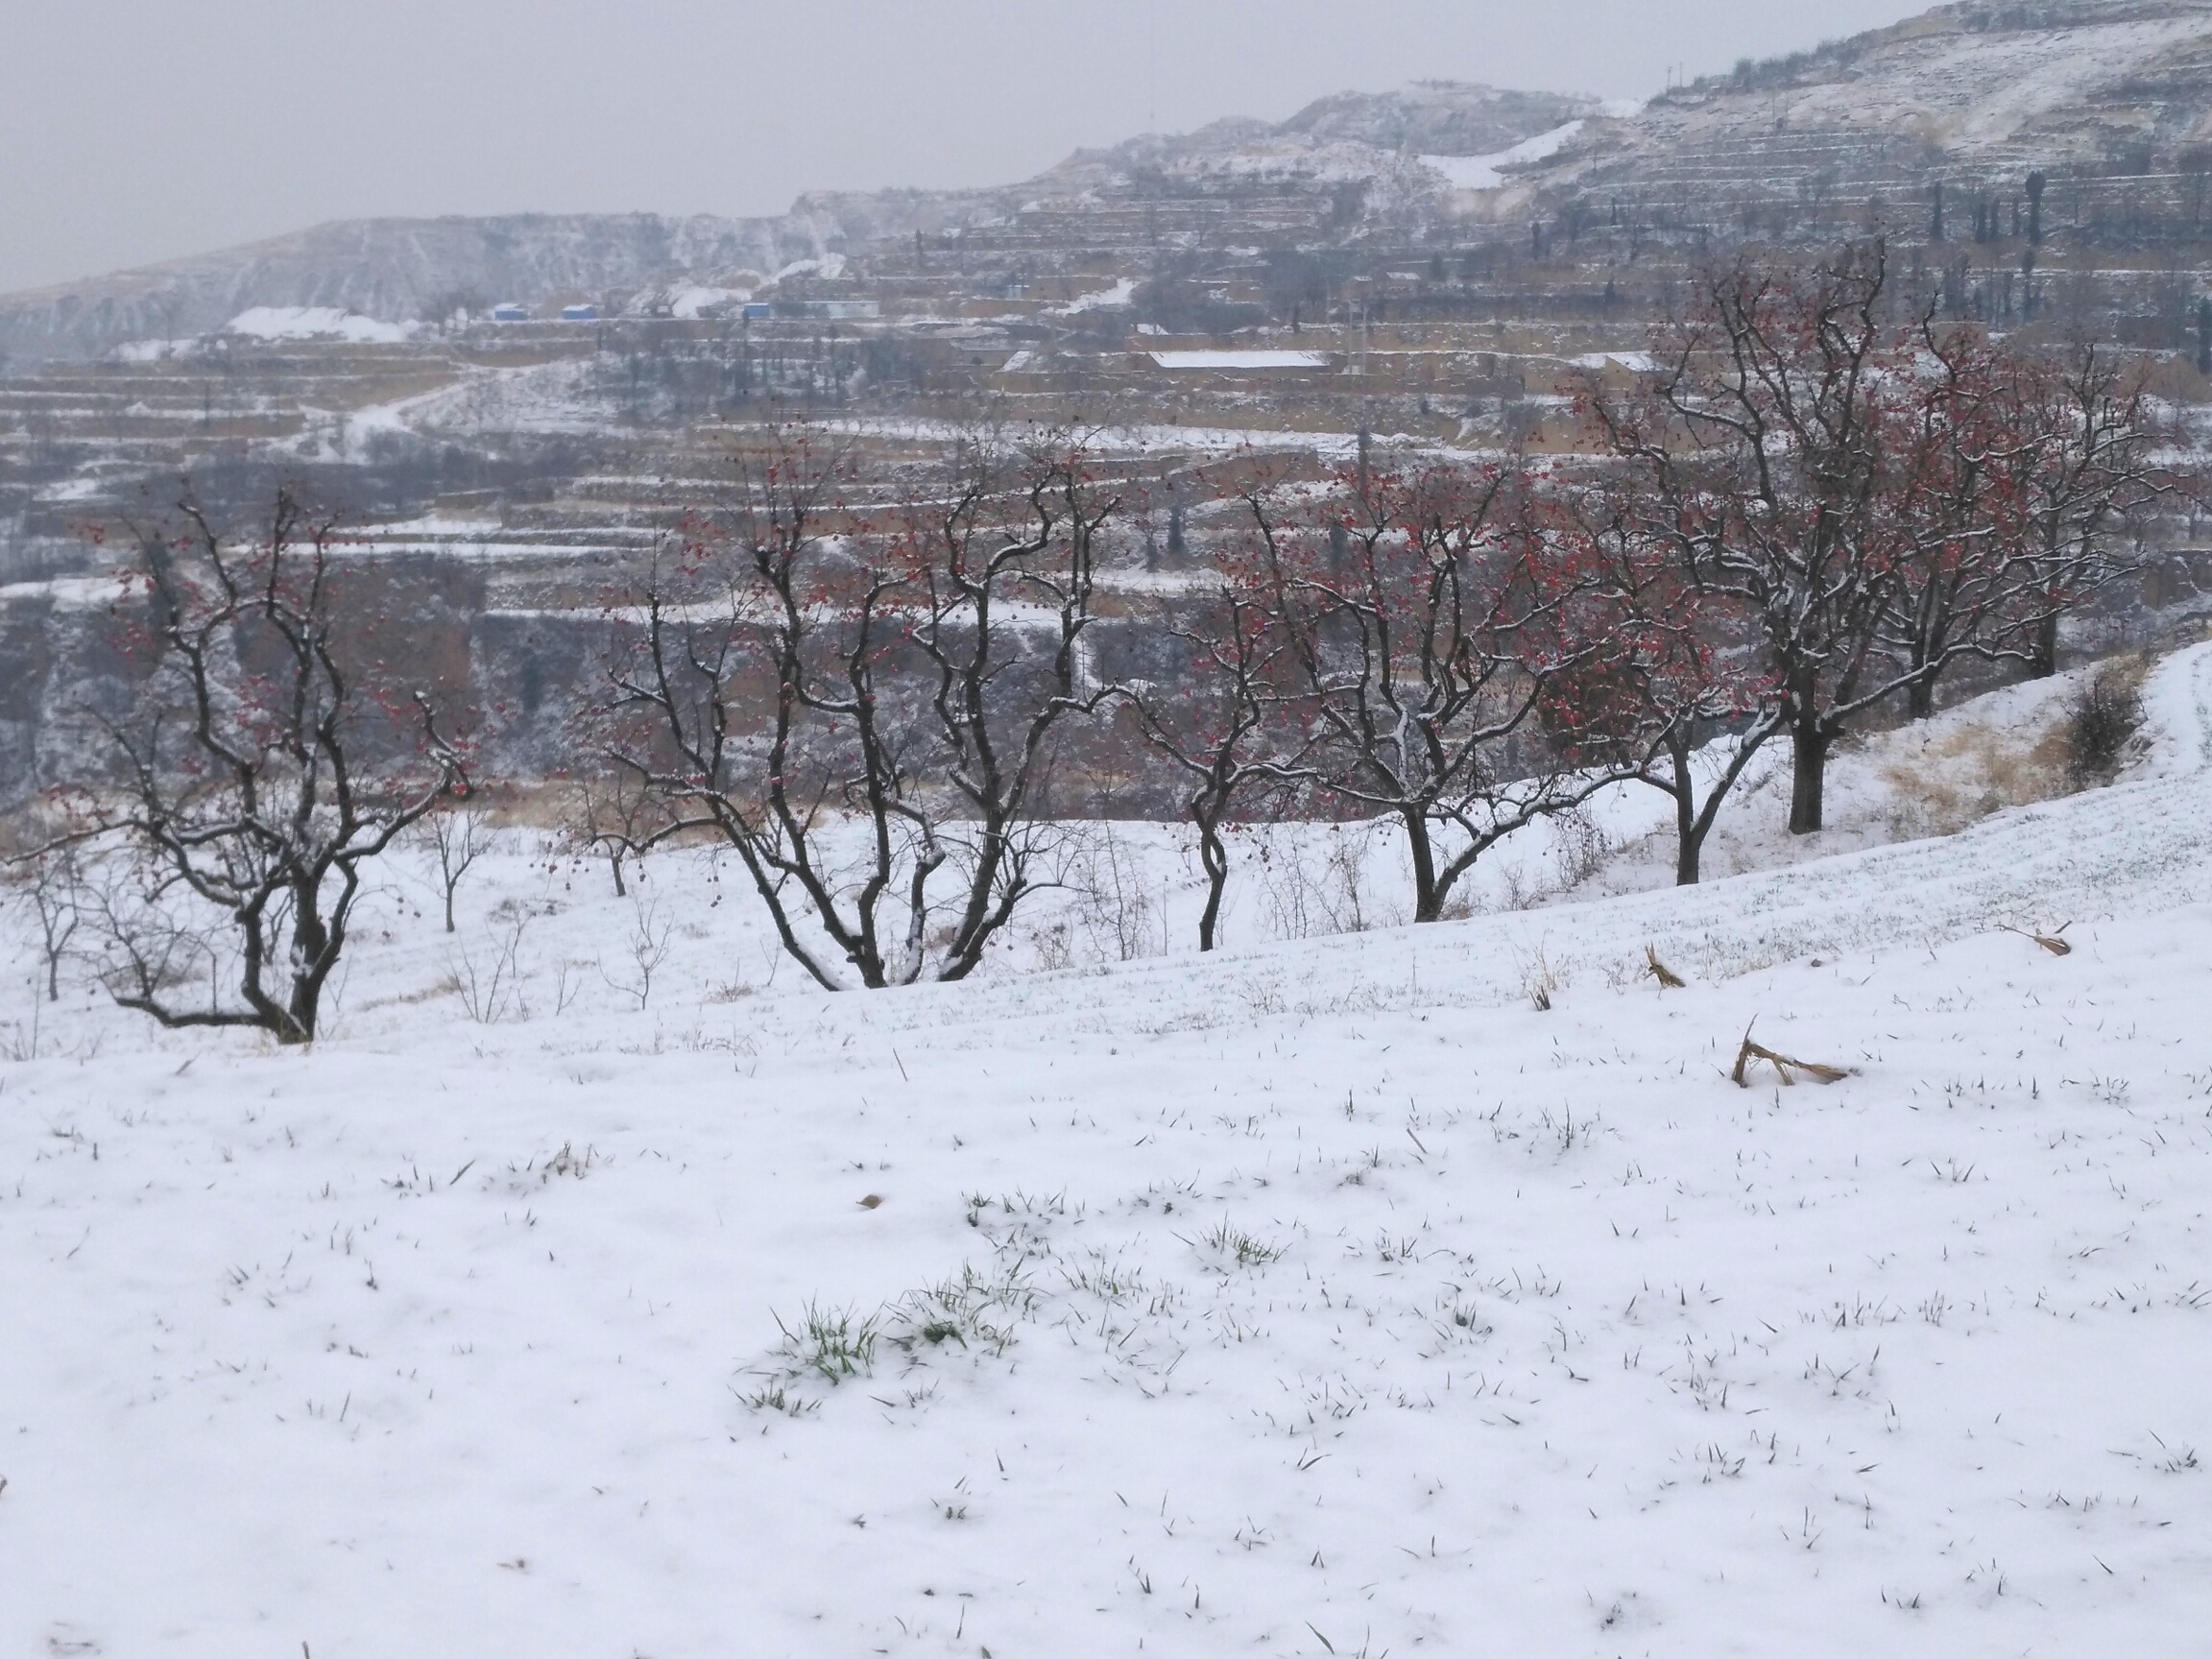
[
  {"x": 2052, "y": 941},
  {"x": 1783, "y": 1065}
]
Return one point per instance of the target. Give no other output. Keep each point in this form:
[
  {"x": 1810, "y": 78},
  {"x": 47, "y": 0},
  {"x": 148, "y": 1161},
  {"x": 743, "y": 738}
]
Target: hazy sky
[{"x": 132, "y": 131}]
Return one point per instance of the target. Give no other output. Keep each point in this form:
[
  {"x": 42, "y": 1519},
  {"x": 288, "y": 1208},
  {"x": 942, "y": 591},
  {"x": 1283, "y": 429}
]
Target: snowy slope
[
  {"x": 1321, "y": 1298},
  {"x": 1482, "y": 172},
  {"x": 2075, "y": 84},
  {"x": 1966, "y": 89}
]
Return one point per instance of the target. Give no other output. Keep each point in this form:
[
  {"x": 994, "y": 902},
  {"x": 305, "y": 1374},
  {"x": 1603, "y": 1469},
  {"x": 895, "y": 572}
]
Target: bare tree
[
  {"x": 909, "y": 682},
  {"x": 1862, "y": 506},
  {"x": 647, "y": 945},
  {"x": 249, "y": 803},
  {"x": 455, "y": 839},
  {"x": 615, "y": 813},
  {"x": 1231, "y": 728},
  {"x": 2097, "y": 470},
  {"x": 1430, "y": 618},
  {"x": 1768, "y": 451},
  {"x": 1674, "y": 700},
  {"x": 2027, "y": 489},
  {"x": 1959, "y": 580},
  {"x": 454, "y": 306},
  {"x": 51, "y": 879}
]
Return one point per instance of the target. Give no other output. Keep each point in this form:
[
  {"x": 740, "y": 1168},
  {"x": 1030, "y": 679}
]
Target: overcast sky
[{"x": 132, "y": 131}]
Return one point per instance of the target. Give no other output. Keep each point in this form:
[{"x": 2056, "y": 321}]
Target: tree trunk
[
  {"x": 1689, "y": 836},
  {"x": 1427, "y": 900},
  {"x": 1809, "y": 766},
  {"x": 299, "y": 1010},
  {"x": 1686, "y": 852},
  {"x": 2043, "y": 657},
  {"x": 614, "y": 863},
  {"x": 1920, "y": 699},
  {"x": 311, "y": 945},
  {"x": 449, "y": 908},
  {"x": 1216, "y": 859}
]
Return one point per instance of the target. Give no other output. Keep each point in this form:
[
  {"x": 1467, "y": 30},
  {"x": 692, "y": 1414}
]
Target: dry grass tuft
[
  {"x": 1975, "y": 770},
  {"x": 1539, "y": 979},
  {"x": 1668, "y": 980}
]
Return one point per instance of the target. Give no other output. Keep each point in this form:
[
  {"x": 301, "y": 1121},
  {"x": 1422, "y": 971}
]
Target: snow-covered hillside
[
  {"x": 1317, "y": 1298},
  {"x": 402, "y": 270},
  {"x": 2073, "y": 84}
]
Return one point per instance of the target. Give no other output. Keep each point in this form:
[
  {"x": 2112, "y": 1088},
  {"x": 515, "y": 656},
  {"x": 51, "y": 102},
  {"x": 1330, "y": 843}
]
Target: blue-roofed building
[
  {"x": 510, "y": 312},
  {"x": 579, "y": 313}
]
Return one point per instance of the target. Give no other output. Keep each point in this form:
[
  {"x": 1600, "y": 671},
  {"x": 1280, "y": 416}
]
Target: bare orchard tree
[
  {"x": 50, "y": 879},
  {"x": 1768, "y": 451},
  {"x": 454, "y": 839},
  {"x": 1709, "y": 728},
  {"x": 612, "y": 813},
  {"x": 867, "y": 710},
  {"x": 1233, "y": 727},
  {"x": 1431, "y": 619},
  {"x": 250, "y": 801},
  {"x": 2098, "y": 469},
  {"x": 1678, "y": 700},
  {"x": 1878, "y": 503},
  {"x": 1964, "y": 580},
  {"x": 2029, "y": 482}
]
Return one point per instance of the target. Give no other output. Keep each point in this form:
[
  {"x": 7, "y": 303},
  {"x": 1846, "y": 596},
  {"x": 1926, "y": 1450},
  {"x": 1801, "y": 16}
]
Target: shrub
[{"x": 2100, "y": 719}]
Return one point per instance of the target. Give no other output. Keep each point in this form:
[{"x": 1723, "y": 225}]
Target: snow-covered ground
[
  {"x": 1099, "y": 299},
  {"x": 1319, "y": 1297},
  {"x": 1973, "y": 87},
  {"x": 316, "y": 323}
]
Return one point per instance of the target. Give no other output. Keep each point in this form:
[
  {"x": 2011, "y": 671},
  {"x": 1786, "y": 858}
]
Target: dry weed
[
  {"x": 1783, "y": 1065},
  {"x": 2053, "y": 941},
  {"x": 1975, "y": 770}
]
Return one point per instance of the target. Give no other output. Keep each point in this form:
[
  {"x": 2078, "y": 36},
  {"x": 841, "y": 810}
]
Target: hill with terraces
[
  {"x": 1285, "y": 180},
  {"x": 2111, "y": 100}
]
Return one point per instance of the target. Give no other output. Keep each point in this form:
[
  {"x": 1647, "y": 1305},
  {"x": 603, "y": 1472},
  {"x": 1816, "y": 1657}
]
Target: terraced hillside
[{"x": 1438, "y": 266}]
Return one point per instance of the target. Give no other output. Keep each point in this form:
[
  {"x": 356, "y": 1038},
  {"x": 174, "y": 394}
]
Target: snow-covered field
[{"x": 1320, "y": 1297}]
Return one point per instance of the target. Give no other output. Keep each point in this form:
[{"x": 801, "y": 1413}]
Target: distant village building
[
  {"x": 579, "y": 313},
  {"x": 827, "y": 311},
  {"x": 507, "y": 311}
]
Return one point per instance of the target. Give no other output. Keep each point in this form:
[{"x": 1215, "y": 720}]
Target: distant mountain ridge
[
  {"x": 404, "y": 269},
  {"x": 393, "y": 269},
  {"x": 1979, "y": 91}
]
